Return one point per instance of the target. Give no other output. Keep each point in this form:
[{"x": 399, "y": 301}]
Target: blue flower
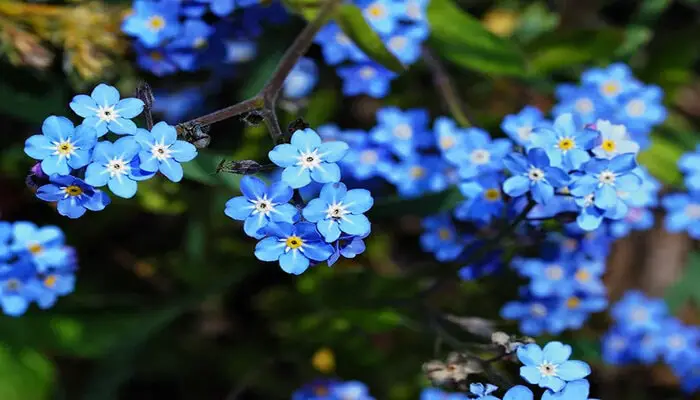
[
  {"x": 550, "y": 367},
  {"x": 15, "y": 294},
  {"x": 159, "y": 61},
  {"x": 519, "y": 126},
  {"x": 683, "y": 213},
  {"x": 337, "y": 47},
  {"x": 478, "y": 153},
  {"x": 587, "y": 276},
  {"x": 406, "y": 42},
  {"x": 610, "y": 82},
  {"x": 307, "y": 159},
  {"x": 583, "y": 102},
  {"x": 635, "y": 313},
  {"x": 441, "y": 238},
  {"x": 678, "y": 341},
  {"x": 448, "y": 134},
  {"x": 43, "y": 245},
  {"x": 533, "y": 174},
  {"x": 194, "y": 35},
  {"x": 161, "y": 151},
  {"x": 104, "y": 111},
  {"x": 566, "y": 145},
  {"x": 617, "y": 347},
  {"x": 547, "y": 278},
  {"x": 640, "y": 110},
  {"x": 573, "y": 311},
  {"x": 352, "y": 390},
  {"x": 115, "y": 165},
  {"x": 416, "y": 175},
  {"x": 340, "y": 210},
  {"x": 365, "y": 162},
  {"x": 489, "y": 265},
  {"x": 51, "y": 287},
  {"x": 484, "y": 198},
  {"x": 382, "y": 15},
  {"x": 536, "y": 316},
  {"x": 73, "y": 196},
  {"x": 153, "y": 21},
  {"x": 294, "y": 246},
  {"x": 614, "y": 140},
  {"x": 61, "y": 147},
  {"x": 483, "y": 391},
  {"x": 261, "y": 205},
  {"x": 5, "y": 236},
  {"x": 576, "y": 390},
  {"x": 437, "y": 394},
  {"x": 317, "y": 390},
  {"x": 636, "y": 219},
  {"x": 348, "y": 246},
  {"x": 366, "y": 78},
  {"x": 414, "y": 10},
  {"x": 518, "y": 392},
  {"x": 689, "y": 164},
  {"x": 604, "y": 178},
  {"x": 301, "y": 79},
  {"x": 404, "y": 132},
  {"x": 178, "y": 105}
]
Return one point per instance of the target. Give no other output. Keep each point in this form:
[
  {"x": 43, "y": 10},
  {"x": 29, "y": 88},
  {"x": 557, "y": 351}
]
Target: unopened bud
[
  {"x": 500, "y": 338},
  {"x": 243, "y": 167}
]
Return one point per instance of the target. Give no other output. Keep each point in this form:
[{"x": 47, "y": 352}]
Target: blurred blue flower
[
  {"x": 403, "y": 132},
  {"x": 307, "y": 159},
  {"x": 161, "y": 151},
  {"x": 405, "y": 43},
  {"x": 351, "y": 390},
  {"x": 52, "y": 286},
  {"x": 294, "y": 246},
  {"x": 339, "y": 210},
  {"x": 547, "y": 278},
  {"x": 550, "y": 367},
  {"x": 566, "y": 145},
  {"x": 73, "y": 196},
  {"x": 153, "y": 21},
  {"x": 477, "y": 153},
  {"x": 642, "y": 109},
  {"x": 483, "y": 391},
  {"x": 44, "y": 246},
  {"x": 689, "y": 164},
  {"x": 635, "y": 313},
  {"x": 618, "y": 347},
  {"x": 604, "y": 178},
  {"x": 441, "y": 238},
  {"x": 301, "y": 79},
  {"x": 519, "y": 126},
  {"x": 610, "y": 82},
  {"x": 178, "y": 105},
  {"x": 533, "y": 174},
  {"x": 437, "y": 394},
  {"x": 573, "y": 311},
  {"x": 614, "y": 140},
  {"x": 414, "y": 10},
  {"x": 416, "y": 175},
  {"x": 382, "y": 15},
  {"x": 61, "y": 147},
  {"x": 115, "y": 165},
  {"x": 536, "y": 316},
  {"x": 449, "y": 135},
  {"x": 366, "y": 78},
  {"x": 583, "y": 102},
  {"x": 365, "y": 162},
  {"x": 484, "y": 198},
  {"x": 261, "y": 205},
  {"x": 348, "y": 246},
  {"x": 337, "y": 47},
  {"x": 159, "y": 61},
  {"x": 678, "y": 341}
]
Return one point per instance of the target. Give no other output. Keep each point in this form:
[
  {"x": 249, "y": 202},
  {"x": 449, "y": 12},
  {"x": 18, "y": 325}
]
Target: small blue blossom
[
  {"x": 683, "y": 213},
  {"x": 484, "y": 198},
  {"x": 689, "y": 164},
  {"x": 604, "y": 178},
  {"x": 573, "y": 311},
  {"x": 403, "y": 132},
  {"x": 536, "y": 316},
  {"x": 338, "y": 210},
  {"x": 441, "y": 238},
  {"x": 689, "y": 373},
  {"x": 416, "y": 175},
  {"x": 159, "y": 61},
  {"x": 73, "y": 196},
  {"x": 576, "y": 390},
  {"x": 152, "y": 22},
  {"x": 583, "y": 102},
  {"x": 533, "y": 174},
  {"x": 642, "y": 109},
  {"x": 115, "y": 165},
  {"x": 45, "y": 245},
  {"x": 301, "y": 79},
  {"x": 366, "y": 78},
  {"x": 61, "y": 147},
  {"x": 547, "y": 278},
  {"x": 678, "y": 341},
  {"x": 382, "y": 15},
  {"x": 414, "y": 10},
  {"x": 348, "y": 246},
  {"x": 51, "y": 287},
  {"x": 405, "y": 43},
  {"x": 614, "y": 140},
  {"x": 617, "y": 347},
  {"x": 104, "y": 111},
  {"x": 16, "y": 291},
  {"x": 178, "y": 105},
  {"x": 261, "y": 205},
  {"x": 478, "y": 153},
  {"x": 610, "y": 82},
  {"x": 636, "y": 313},
  {"x": 307, "y": 159},
  {"x": 366, "y": 161},
  {"x": 317, "y": 390},
  {"x": 294, "y": 246},
  {"x": 337, "y": 47},
  {"x": 566, "y": 145},
  {"x": 483, "y": 391},
  {"x": 519, "y": 126},
  {"x": 550, "y": 367},
  {"x": 161, "y": 151},
  {"x": 351, "y": 390},
  {"x": 448, "y": 134},
  {"x": 437, "y": 394}
]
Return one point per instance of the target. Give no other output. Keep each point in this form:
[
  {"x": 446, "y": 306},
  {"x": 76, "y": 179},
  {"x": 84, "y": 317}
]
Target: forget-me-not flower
[
  {"x": 636, "y": 313},
  {"x": 604, "y": 178},
  {"x": 367, "y": 78},
  {"x": 115, "y": 165},
  {"x": 382, "y": 15},
  {"x": 339, "y": 210},
  {"x": 519, "y": 126},
  {"x": 576, "y": 390},
  {"x": 614, "y": 140},
  {"x": 61, "y": 146},
  {"x": 104, "y": 111},
  {"x": 294, "y": 246},
  {"x": 44, "y": 245},
  {"x": 301, "y": 79},
  {"x": 307, "y": 159},
  {"x": 533, "y": 174},
  {"x": 583, "y": 102},
  {"x": 404, "y": 132},
  {"x": 483, "y": 391},
  {"x": 610, "y": 82},
  {"x": 484, "y": 198},
  {"x": 73, "y": 196},
  {"x": 336, "y": 46},
  {"x": 161, "y": 151},
  {"x": 683, "y": 213},
  {"x": 351, "y": 390},
  {"x": 441, "y": 238},
  {"x": 566, "y": 145},
  {"x": 642, "y": 109},
  {"x": 478, "y": 153},
  {"x": 550, "y": 367},
  {"x": 51, "y": 287},
  {"x": 152, "y": 22},
  {"x": 261, "y": 205}
]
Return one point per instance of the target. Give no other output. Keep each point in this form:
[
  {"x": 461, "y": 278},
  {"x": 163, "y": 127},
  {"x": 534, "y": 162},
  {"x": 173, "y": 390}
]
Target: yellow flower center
[
  {"x": 156, "y": 23},
  {"x": 565, "y": 190},
  {"x": 566, "y": 144},
  {"x": 573, "y": 302},
  {"x": 73, "y": 190},
  {"x": 376, "y": 10},
  {"x": 321, "y": 391},
  {"x": 583, "y": 275},
  {"x": 608, "y": 145},
  {"x": 65, "y": 148},
  {"x": 417, "y": 172},
  {"x": 610, "y": 88},
  {"x": 156, "y": 56},
  {"x": 447, "y": 142},
  {"x": 35, "y": 248},
  {"x": 294, "y": 242},
  {"x": 200, "y": 43},
  {"x": 444, "y": 234},
  {"x": 50, "y": 281},
  {"x": 492, "y": 194}
]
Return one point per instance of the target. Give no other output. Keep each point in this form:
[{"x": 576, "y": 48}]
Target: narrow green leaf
[
  {"x": 421, "y": 206},
  {"x": 354, "y": 25},
  {"x": 461, "y": 39},
  {"x": 559, "y": 50},
  {"x": 25, "y": 374}
]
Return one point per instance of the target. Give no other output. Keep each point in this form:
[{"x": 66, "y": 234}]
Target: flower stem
[{"x": 447, "y": 91}]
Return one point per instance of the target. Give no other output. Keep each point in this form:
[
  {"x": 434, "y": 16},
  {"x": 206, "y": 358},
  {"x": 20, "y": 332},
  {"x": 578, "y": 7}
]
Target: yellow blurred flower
[
  {"x": 501, "y": 22},
  {"x": 323, "y": 360}
]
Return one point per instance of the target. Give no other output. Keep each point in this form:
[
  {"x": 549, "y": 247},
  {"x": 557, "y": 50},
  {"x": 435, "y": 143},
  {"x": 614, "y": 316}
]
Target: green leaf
[
  {"x": 34, "y": 107},
  {"x": 354, "y": 25},
  {"x": 661, "y": 159},
  {"x": 203, "y": 169},
  {"x": 421, "y": 206},
  {"x": 25, "y": 374},
  {"x": 559, "y": 50},
  {"x": 461, "y": 39},
  {"x": 686, "y": 288},
  {"x": 536, "y": 20}
]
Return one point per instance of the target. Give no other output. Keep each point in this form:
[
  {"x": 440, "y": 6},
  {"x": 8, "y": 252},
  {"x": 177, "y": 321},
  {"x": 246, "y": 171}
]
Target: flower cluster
[
  {"x": 35, "y": 266},
  {"x": 403, "y": 27},
  {"x": 176, "y": 36},
  {"x": 295, "y": 235},
  {"x": 74, "y": 163},
  {"x": 333, "y": 390},
  {"x": 645, "y": 332},
  {"x": 683, "y": 209}
]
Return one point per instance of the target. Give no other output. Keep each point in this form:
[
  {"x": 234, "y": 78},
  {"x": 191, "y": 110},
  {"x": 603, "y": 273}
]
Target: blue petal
[
  {"x": 516, "y": 163},
  {"x": 358, "y": 201},
  {"x": 254, "y": 224},
  {"x": 280, "y": 229},
  {"x": 80, "y": 158},
  {"x": 355, "y": 224},
  {"x": 296, "y": 177},
  {"x": 556, "y": 352},
  {"x": 279, "y": 192},
  {"x": 315, "y": 210},
  {"x": 269, "y": 249},
  {"x": 85, "y": 136},
  {"x": 14, "y": 306},
  {"x": 589, "y": 219},
  {"x": 573, "y": 370},
  {"x": 105, "y": 95},
  {"x": 123, "y": 187},
  {"x": 122, "y": 126},
  {"x": 95, "y": 175},
  {"x": 318, "y": 251},
  {"x": 148, "y": 162},
  {"x": 557, "y": 177},
  {"x": 516, "y": 186},
  {"x": 55, "y": 165},
  {"x": 329, "y": 229},
  {"x": 326, "y": 173},
  {"x": 183, "y": 151},
  {"x": 238, "y": 208},
  {"x": 171, "y": 169},
  {"x": 38, "y": 147},
  {"x": 83, "y": 105},
  {"x": 538, "y": 157},
  {"x": 50, "y": 192},
  {"x": 98, "y": 201},
  {"x": 284, "y": 213},
  {"x": 518, "y": 393},
  {"x": 628, "y": 183},
  {"x": 333, "y": 192},
  {"x": 294, "y": 262},
  {"x": 576, "y": 157},
  {"x": 99, "y": 126},
  {"x": 57, "y": 129},
  {"x": 542, "y": 192},
  {"x": 70, "y": 208},
  {"x": 584, "y": 186},
  {"x": 306, "y": 140},
  {"x": 126, "y": 148},
  {"x": 284, "y": 155},
  {"x": 552, "y": 382},
  {"x": 252, "y": 187},
  {"x": 129, "y": 108},
  {"x": 531, "y": 374},
  {"x": 530, "y": 355},
  {"x": 102, "y": 152},
  {"x": 333, "y": 151},
  {"x": 164, "y": 133},
  {"x": 623, "y": 163},
  {"x": 605, "y": 197}
]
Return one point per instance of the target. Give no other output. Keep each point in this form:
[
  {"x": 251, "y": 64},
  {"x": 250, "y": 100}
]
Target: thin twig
[{"x": 447, "y": 90}]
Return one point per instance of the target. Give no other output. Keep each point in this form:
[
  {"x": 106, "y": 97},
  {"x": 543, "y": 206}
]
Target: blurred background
[{"x": 170, "y": 301}]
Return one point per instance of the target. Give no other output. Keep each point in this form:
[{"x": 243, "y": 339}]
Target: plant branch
[{"x": 446, "y": 88}]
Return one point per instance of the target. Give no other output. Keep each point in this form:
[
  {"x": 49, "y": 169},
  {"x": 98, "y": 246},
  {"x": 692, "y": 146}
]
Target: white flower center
[
  {"x": 538, "y": 310},
  {"x": 639, "y": 314},
  {"x": 262, "y": 206},
  {"x": 106, "y": 113},
  {"x": 413, "y": 10},
  {"x": 367, "y": 72},
  {"x": 588, "y": 200},
  {"x": 524, "y": 132},
  {"x": 117, "y": 167},
  {"x": 548, "y": 369},
  {"x": 369, "y": 157},
  {"x": 618, "y": 343},
  {"x": 161, "y": 151},
  {"x": 64, "y": 148},
  {"x": 584, "y": 105},
  {"x": 480, "y": 157},
  {"x": 403, "y": 131},
  {"x": 342, "y": 38},
  {"x": 693, "y": 210},
  {"x": 607, "y": 177},
  {"x": 554, "y": 272},
  {"x": 309, "y": 160},
  {"x": 336, "y": 211},
  {"x": 636, "y": 108},
  {"x": 398, "y": 43},
  {"x": 676, "y": 342},
  {"x": 535, "y": 174}
]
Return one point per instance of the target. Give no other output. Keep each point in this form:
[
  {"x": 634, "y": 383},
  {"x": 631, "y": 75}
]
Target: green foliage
[
  {"x": 25, "y": 374},
  {"x": 686, "y": 288}
]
